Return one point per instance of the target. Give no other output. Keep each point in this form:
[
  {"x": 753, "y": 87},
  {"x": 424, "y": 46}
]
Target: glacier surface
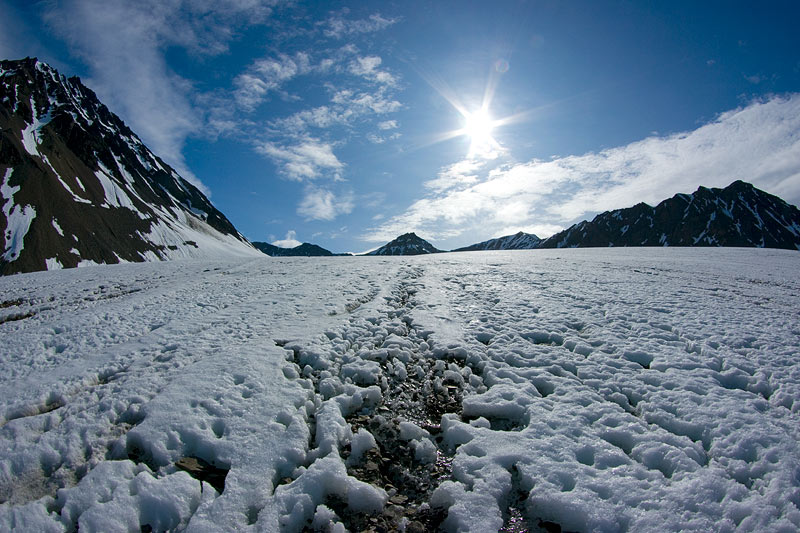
[{"x": 592, "y": 390}]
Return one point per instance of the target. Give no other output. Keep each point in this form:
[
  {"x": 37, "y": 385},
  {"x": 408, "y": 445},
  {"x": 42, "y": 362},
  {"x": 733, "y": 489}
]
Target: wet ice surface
[{"x": 575, "y": 390}]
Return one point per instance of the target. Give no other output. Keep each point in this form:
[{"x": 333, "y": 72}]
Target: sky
[{"x": 346, "y": 124}]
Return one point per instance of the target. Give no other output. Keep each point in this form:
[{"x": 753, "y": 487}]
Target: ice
[{"x": 587, "y": 390}]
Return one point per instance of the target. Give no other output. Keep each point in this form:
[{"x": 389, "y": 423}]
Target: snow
[
  {"x": 18, "y": 220},
  {"x": 185, "y": 236},
  {"x": 30, "y": 135},
  {"x": 29, "y": 140},
  {"x": 603, "y": 390},
  {"x": 67, "y": 187},
  {"x": 115, "y": 195},
  {"x": 57, "y": 227}
]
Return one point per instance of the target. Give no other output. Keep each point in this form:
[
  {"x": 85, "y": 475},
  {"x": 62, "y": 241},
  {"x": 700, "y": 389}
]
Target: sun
[
  {"x": 477, "y": 124},
  {"x": 478, "y": 127}
]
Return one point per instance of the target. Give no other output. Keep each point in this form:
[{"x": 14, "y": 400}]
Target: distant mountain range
[
  {"x": 518, "y": 241},
  {"x": 738, "y": 215},
  {"x": 79, "y": 187},
  {"x": 303, "y": 250},
  {"x": 407, "y": 244}
]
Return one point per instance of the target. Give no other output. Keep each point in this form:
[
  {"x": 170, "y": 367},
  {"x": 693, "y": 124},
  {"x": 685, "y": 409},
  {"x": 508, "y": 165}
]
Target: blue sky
[{"x": 348, "y": 123}]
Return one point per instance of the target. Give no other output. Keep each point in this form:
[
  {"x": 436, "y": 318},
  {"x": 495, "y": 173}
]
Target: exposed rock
[{"x": 204, "y": 471}]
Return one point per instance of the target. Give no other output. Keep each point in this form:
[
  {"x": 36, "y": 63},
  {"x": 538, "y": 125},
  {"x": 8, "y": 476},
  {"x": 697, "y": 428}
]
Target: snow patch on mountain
[{"x": 18, "y": 220}]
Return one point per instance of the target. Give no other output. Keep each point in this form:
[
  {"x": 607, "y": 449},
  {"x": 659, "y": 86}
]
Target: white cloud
[
  {"x": 305, "y": 160},
  {"x": 317, "y": 117},
  {"x": 372, "y": 200},
  {"x": 367, "y": 68},
  {"x": 270, "y": 74},
  {"x": 267, "y": 75},
  {"x": 759, "y": 143},
  {"x": 363, "y": 102},
  {"x": 337, "y": 26},
  {"x": 290, "y": 241},
  {"x": 346, "y": 107},
  {"x": 388, "y": 125},
  {"x": 123, "y": 45},
  {"x": 460, "y": 174},
  {"x": 289, "y": 140},
  {"x": 322, "y": 204}
]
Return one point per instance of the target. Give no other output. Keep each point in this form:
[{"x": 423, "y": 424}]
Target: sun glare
[
  {"x": 477, "y": 123},
  {"x": 478, "y": 126}
]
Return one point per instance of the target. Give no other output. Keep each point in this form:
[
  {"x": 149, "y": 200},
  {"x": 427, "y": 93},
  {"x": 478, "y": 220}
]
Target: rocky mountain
[
  {"x": 78, "y": 187},
  {"x": 303, "y": 250},
  {"x": 738, "y": 215},
  {"x": 518, "y": 241},
  {"x": 407, "y": 244}
]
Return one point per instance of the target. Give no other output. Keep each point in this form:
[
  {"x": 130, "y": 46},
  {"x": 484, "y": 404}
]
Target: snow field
[
  {"x": 593, "y": 390},
  {"x": 144, "y": 364},
  {"x": 655, "y": 394}
]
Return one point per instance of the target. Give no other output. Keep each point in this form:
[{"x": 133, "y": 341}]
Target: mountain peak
[
  {"x": 406, "y": 244},
  {"x": 79, "y": 187}
]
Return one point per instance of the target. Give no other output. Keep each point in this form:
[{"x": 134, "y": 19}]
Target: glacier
[{"x": 582, "y": 389}]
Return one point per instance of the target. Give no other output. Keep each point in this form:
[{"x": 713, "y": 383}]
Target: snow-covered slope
[
  {"x": 518, "y": 241},
  {"x": 79, "y": 187},
  {"x": 738, "y": 215},
  {"x": 588, "y": 390},
  {"x": 406, "y": 244}
]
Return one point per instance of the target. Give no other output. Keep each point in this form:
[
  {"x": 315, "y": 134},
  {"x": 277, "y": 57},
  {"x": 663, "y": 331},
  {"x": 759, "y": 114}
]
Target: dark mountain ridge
[
  {"x": 738, "y": 215},
  {"x": 406, "y": 244},
  {"x": 79, "y": 187},
  {"x": 304, "y": 250},
  {"x": 518, "y": 241}
]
